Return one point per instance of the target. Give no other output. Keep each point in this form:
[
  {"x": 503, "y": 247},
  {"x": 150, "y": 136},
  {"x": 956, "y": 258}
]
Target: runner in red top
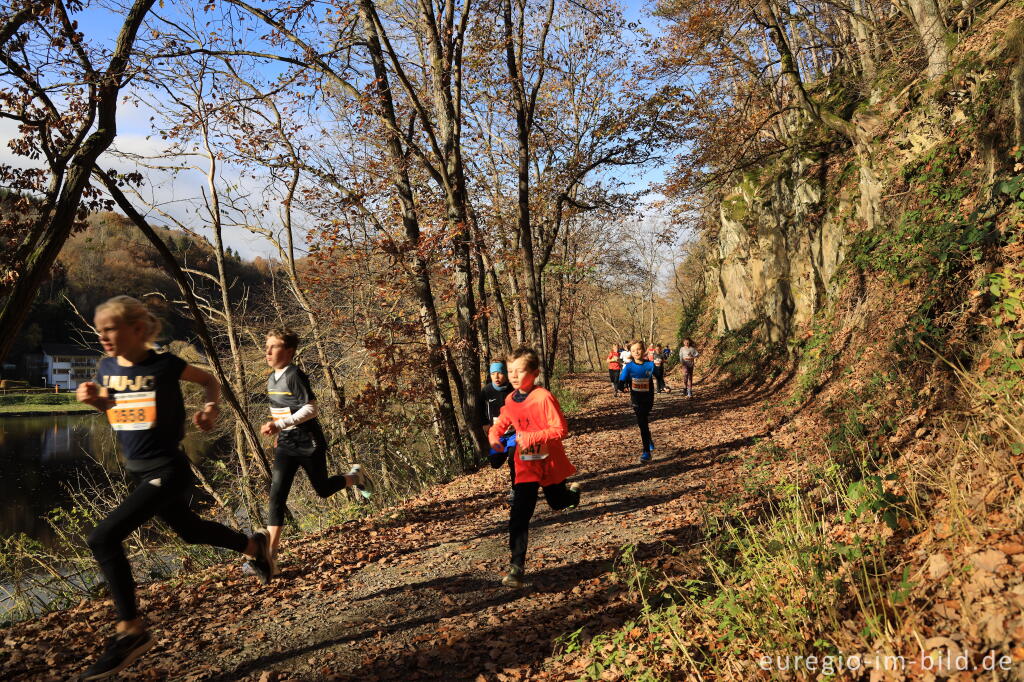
[
  {"x": 539, "y": 457},
  {"x": 614, "y": 367}
]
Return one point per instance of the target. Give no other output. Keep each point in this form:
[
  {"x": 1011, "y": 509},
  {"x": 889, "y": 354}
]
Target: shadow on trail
[
  {"x": 527, "y": 639},
  {"x": 491, "y": 591}
]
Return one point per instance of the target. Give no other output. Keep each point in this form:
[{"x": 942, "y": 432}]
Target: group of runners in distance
[{"x": 139, "y": 390}]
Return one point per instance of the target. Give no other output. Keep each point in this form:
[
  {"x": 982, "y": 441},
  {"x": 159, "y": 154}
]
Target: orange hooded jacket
[{"x": 540, "y": 427}]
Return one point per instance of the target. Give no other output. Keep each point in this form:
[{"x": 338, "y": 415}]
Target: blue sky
[{"x": 101, "y": 24}]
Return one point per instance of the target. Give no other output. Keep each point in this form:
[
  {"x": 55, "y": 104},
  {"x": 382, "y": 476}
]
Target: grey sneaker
[
  {"x": 514, "y": 577},
  {"x": 360, "y": 481}
]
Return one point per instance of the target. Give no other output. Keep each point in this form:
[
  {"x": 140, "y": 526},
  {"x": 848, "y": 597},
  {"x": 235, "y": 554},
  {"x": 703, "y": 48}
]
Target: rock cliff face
[{"x": 779, "y": 245}]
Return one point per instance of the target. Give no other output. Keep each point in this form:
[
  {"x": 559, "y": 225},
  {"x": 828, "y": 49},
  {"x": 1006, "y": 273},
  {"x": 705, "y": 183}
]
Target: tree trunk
[
  {"x": 446, "y": 423},
  {"x": 931, "y": 29},
  {"x": 57, "y": 222}
]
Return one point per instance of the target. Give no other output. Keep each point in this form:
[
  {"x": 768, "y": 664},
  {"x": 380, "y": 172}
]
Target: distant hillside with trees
[{"x": 111, "y": 257}]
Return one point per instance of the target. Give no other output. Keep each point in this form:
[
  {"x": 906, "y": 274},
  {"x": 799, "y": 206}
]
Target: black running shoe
[
  {"x": 121, "y": 651},
  {"x": 262, "y": 563}
]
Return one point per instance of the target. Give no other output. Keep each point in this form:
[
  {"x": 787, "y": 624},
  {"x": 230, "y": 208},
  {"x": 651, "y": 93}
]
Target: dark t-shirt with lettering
[
  {"x": 287, "y": 394},
  {"x": 148, "y": 414}
]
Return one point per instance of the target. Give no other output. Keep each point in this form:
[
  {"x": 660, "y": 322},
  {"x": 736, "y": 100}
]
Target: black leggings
[
  {"x": 165, "y": 493},
  {"x": 643, "y": 413},
  {"x": 659, "y": 376},
  {"x": 286, "y": 464},
  {"x": 613, "y": 374},
  {"x": 524, "y": 501}
]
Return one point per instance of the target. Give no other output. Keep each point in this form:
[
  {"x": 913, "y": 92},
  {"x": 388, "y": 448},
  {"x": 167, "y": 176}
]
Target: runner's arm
[
  {"x": 556, "y": 428},
  {"x": 498, "y": 429},
  {"x": 303, "y": 414},
  {"x": 205, "y": 418}
]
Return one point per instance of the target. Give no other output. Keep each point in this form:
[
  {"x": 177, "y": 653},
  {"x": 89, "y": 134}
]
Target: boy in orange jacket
[{"x": 540, "y": 460}]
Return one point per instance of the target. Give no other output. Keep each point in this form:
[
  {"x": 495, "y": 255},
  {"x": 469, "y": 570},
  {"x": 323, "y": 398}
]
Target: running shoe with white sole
[
  {"x": 514, "y": 577},
  {"x": 574, "y": 488},
  {"x": 360, "y": 481}
]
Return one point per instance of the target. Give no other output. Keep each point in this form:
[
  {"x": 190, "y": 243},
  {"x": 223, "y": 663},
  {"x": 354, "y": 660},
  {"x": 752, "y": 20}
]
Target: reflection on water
[{"x": 41, "y": 456}]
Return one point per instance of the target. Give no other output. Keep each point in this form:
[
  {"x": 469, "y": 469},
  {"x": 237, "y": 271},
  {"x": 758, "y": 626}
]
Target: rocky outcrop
[{"x": 779, "y": 245}]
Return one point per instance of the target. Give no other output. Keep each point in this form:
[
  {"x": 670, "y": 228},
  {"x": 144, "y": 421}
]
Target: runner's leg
[
  {"x": 196, "y": 530},
  {"x": 285, "y": 466},
  {"x": 316, "y": 468},
  {"x": 643, "y": 413},
  {"x": 524, "y": 501},
  {"x": 106, "y": 539},
  {"x": 560, "y": 497}
]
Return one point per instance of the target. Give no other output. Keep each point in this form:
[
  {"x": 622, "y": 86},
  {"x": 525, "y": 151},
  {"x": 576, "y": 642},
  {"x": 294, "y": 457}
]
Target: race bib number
[
  {"x": 642, "y": 385},
  {"x": 133, "y": 411},
  {"x": 280, "y": 413},
  {"x": 534, "y": 452}
]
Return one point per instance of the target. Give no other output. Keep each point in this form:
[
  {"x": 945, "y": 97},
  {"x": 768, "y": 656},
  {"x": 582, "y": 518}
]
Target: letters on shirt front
[{"x": 120, "y": 382}]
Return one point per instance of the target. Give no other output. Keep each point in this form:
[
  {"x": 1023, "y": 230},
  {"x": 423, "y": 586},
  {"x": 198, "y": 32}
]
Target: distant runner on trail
[
  {"x": 492, "y": 399},
  {"x": 138, "y": 389},
  {"x": 658, "y": 358},
  {"x": 539, "y": 456},
  {"x": 614, "y": 367},
  {"x": 687, "y": 354},
  {"x": 639, "y": 377},
  {"x": 300, "y": 440}
]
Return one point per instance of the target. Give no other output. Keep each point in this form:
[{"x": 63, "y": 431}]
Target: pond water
[{"x": 41, "y": 456}]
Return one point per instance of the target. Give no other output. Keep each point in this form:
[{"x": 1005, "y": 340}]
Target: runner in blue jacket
[{"x": 639, "y": 376}]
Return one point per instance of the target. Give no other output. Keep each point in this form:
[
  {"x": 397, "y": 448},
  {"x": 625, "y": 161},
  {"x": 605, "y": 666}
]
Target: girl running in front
[
  {"x": 638, "y": 375},
  {"x": 300, "y": 440},
  {"x": 139, "y": 391},
  {"x": 614, "y": 367},
  {"x": 687, "y": 355},
  {"x": 539, "y": 456}
]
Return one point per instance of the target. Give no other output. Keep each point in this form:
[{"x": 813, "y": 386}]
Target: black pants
[
  {"x": 165, "y": 493},
  {"x": 287, "y": 461},
  {"x": 524, "y": 501},
  {"x": 643, "y": 413},
  {"x": 659, "y": 377},
  {"x": 613, "y": 374}
]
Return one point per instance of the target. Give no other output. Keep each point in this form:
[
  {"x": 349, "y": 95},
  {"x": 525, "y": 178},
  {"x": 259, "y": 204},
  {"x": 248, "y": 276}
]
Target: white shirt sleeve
[{"x": 303, "y": 414}]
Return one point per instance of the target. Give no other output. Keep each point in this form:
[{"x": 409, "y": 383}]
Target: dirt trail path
[{"x": 415, "y": 593}]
